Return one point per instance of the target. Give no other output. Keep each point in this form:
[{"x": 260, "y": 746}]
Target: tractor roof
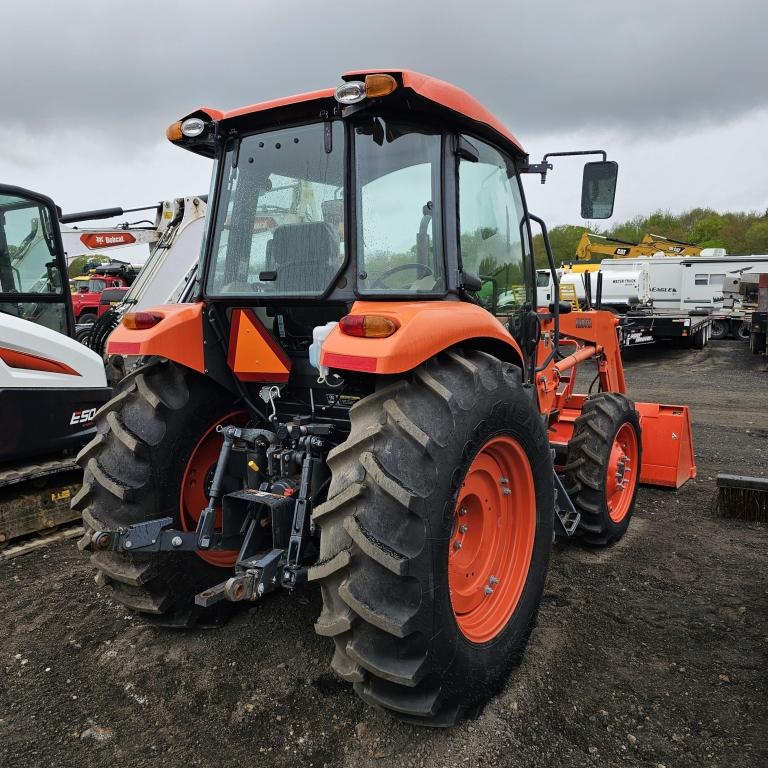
[{"x": 435, "y": 95}]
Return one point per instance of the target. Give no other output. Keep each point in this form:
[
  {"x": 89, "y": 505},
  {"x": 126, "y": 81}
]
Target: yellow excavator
[
  {"x": 670, "y": 247},
  {"x": 593, "y": 248}
]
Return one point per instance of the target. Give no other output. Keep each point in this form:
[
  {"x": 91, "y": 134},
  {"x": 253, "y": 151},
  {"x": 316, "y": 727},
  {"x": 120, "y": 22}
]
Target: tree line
[{"x": 737, "y": 232}]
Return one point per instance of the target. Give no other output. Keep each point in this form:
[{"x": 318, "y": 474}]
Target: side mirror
[{"x": 598, "y": 189}]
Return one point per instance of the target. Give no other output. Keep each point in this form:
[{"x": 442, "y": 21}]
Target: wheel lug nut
[
  {"x": 462, "y": 511},
  {"x": 463, "y": 529},
  {"x": 487, "y": 591},
  {"x": 506, "y": 491},
  {"x": 493, "y": 580},
  {"x": 503, "y": 480},
  {"x": 457, "y": 545}
]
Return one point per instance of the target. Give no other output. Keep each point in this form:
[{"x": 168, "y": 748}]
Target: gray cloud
[
  {"x": 673, "y": 90},
  {"x": 129, "y": 68}
]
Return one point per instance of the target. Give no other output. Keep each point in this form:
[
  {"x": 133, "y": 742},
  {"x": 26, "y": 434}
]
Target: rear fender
[
  {"x": 178, "y": 336},
  {"x": 425, "y": 328},
  {"x": 668, "y": 458}
]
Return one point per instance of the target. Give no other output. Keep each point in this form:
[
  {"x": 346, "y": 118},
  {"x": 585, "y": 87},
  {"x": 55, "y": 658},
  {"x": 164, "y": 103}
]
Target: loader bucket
[{"x": 668, "y": 458}]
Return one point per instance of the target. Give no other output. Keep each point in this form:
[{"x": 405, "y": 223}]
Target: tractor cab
[
  {"x": 391, "y": 188},
  {"x": 33, "y": 282}
]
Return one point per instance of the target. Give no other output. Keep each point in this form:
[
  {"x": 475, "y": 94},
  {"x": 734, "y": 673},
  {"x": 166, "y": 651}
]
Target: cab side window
[{"x": 492, "y": 243}]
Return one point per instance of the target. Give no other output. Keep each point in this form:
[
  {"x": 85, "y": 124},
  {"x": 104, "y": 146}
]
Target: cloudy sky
[{"x": 676, "y": 90}]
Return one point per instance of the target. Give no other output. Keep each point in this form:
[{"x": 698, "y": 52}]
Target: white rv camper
[{"x": 691, "y": 283}]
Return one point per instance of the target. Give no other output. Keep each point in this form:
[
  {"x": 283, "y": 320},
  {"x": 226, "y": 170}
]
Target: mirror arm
[{"x": 545, "y": 166}]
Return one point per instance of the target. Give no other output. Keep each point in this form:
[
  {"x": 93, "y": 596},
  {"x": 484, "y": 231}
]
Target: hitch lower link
[
  {"x": 256, "y": 575},
  {"x": 258, "y": 571}
]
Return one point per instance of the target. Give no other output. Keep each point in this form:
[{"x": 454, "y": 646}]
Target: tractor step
[{"x": 567, "y": 517}]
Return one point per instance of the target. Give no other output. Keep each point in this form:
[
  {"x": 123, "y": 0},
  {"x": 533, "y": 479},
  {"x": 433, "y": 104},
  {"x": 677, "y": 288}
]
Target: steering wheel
[{"x": 422, "y": 271}]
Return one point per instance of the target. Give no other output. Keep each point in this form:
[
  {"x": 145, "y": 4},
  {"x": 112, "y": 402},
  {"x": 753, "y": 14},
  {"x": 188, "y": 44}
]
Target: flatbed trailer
[{"x": 683, "y": 328}]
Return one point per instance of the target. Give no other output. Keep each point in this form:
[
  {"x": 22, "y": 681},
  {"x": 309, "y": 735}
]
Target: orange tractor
[{"x": 344, "y": 403}]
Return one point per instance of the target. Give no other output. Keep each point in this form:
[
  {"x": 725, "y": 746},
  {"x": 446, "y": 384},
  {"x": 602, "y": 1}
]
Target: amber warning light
[
  {"x": 367, "y": 326},
  {"x": 140, "y": 321},
  {"x": 371, "y": 87}
]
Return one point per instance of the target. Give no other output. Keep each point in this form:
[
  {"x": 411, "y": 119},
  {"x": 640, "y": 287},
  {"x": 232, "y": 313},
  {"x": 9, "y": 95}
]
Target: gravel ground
[{"x": 651, "y": 653}]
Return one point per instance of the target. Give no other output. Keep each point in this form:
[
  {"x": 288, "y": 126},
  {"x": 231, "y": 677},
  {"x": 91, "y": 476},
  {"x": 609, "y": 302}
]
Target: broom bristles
[{"x": 742, "y": 498}]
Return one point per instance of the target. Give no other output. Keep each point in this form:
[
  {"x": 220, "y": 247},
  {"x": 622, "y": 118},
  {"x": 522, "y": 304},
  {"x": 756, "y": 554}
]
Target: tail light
[
  {"x": 367, "y": 326},
  {"x": 140, "y": 321}
]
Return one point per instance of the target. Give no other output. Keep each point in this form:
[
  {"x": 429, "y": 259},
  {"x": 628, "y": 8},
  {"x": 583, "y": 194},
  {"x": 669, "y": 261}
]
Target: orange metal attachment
[{"x": 668, "y": 458}]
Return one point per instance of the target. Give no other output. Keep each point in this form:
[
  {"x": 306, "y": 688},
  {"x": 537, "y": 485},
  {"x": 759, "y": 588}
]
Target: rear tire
[
  {"x": 83, "y": 335},
  {"x": 720, "y": 330},
  {"x": 87, "y": 318},
  {"x": 390, "y": 524},
  {"x": 605, "y": 451},
  {"x": 133, "y": 472}
]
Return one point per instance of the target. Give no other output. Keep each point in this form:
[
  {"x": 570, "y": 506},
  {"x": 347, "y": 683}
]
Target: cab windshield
[
  {"x": 279, "y": 223},
  {"x": 279, "y": 227},
  {"x": 31, "y": 285}
]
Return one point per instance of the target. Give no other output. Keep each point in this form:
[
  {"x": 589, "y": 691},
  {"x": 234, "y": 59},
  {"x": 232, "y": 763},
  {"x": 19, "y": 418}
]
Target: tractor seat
[{"x": 304, "y": 255}]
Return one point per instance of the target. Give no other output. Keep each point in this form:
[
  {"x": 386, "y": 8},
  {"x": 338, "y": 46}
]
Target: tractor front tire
[
  {"x": 134, "y": 469},
  {"x": 602, "y": 470},
  {"x": 435, "y": 538}
]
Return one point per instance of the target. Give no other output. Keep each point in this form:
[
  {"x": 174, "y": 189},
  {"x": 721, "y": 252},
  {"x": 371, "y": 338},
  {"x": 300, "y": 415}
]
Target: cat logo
[
  {"x": 622, "y": 251},
  {"x": 583, "y": 322}
]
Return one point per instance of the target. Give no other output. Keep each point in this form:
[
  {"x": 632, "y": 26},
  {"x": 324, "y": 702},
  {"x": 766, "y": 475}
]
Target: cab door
[
  {"x": 33, "y": 270},
  {"x": 493, "y": 235}
]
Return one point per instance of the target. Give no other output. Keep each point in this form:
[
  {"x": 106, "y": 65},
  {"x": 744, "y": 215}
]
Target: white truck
[{"x": 621, "y": 290}]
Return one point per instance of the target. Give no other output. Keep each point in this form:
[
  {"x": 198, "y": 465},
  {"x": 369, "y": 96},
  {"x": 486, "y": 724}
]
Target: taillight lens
[
  {"x": 367, "y": 326},
  {"x": 140, "y": 321}
]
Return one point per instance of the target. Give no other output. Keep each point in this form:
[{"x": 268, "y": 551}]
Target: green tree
[
  {"x": 77, "y": 265},
  {"x": 756, "y": 237}
]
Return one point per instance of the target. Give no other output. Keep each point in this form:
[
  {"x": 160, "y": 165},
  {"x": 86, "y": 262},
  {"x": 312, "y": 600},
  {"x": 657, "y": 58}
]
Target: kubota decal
[{"x": 94, "y": 240}]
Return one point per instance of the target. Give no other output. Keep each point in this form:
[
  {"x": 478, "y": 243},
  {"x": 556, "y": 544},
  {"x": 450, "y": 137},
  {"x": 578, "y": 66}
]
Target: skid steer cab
[{"x": 366, "y": 397}]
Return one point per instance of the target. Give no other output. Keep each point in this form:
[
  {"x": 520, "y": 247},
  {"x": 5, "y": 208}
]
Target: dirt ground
[{"x": 651, "y": 653}]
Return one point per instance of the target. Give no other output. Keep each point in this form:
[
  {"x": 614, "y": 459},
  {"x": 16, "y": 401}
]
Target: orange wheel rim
[
  {"x": 622, "y": 473},
  {"x": 490, "y": 549},
  {"x": 196, "y": 480}
]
